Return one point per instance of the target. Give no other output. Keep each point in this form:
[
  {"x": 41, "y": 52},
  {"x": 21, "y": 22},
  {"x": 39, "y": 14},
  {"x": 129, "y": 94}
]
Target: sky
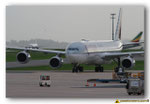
[{"x": 70, "y": 23}]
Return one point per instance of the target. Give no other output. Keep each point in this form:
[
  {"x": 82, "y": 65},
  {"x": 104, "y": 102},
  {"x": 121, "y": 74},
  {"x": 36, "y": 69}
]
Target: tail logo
[{"x": 138, "y": 37}]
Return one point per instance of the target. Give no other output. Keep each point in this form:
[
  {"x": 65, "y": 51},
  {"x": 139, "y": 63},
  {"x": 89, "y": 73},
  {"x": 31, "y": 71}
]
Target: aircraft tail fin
[
  {"x": 118, "y": 27},
  {"x": 137, "y": 38}
]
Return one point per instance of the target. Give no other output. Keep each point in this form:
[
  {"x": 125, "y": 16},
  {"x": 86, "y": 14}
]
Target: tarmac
[{"x": 65, "y": 84}]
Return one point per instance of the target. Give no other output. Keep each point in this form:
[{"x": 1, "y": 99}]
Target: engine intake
[
  {"x": 55, "y": 62},
  {"x": 23, "y": 57},
  {"x": 128, "y": 62}
]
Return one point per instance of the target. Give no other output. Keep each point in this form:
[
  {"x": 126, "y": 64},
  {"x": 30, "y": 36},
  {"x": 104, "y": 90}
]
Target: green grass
[
  {"x": 138, "y": 66},
  {"x": 127, "y": 50}
]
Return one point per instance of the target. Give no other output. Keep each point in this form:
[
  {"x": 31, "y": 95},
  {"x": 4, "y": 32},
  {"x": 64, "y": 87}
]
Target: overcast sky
[{"x": 71, "y": 23}]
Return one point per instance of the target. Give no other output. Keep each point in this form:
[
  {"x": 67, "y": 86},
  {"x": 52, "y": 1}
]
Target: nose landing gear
[
  {"x": 77, "y": 68},
  {"x": 99, "y": 69},
  {"x": 119, "y": 66}
]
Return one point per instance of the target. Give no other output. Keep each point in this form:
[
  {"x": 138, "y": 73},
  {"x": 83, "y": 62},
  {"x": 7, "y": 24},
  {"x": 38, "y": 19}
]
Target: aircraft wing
[
  {"x": 131, "y": 44},
  {"x": 121, "y": 54},
  {"x": 37, "y": 50}
]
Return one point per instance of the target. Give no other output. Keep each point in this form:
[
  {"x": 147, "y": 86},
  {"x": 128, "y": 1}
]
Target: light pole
[{"x": 112, "y": 17}]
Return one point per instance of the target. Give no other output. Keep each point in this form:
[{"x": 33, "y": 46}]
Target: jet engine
[
  {"x": 23, "y": 57},
  {"x": 55, "y": 62},
  {"x": 128, "y": 62}
]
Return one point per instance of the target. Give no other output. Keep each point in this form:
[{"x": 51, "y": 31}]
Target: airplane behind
[
  {"x": 137, "y": 38},
  {"x": 32, "y": 46},
  {"x": 91, "y": 52}
]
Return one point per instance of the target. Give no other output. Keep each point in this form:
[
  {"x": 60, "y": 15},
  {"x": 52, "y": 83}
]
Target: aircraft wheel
[
  {"x": 116, "y": 69},
  {"x": 101, "y": 69},
  {"x": 96, "y": 69},
  {"x": 48, "y": 85},
  {"x": 41, "y": 85},
  {"x": 76, "y": 69},
  {"x": 81, "y": 69},
  {"x": 129, "y": 93},
  {"x": 73, "y": 69},
  {"x": 127, "y": 86}
]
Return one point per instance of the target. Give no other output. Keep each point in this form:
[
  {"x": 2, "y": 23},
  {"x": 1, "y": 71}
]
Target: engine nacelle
[
  {"x": 128, "y": 62},
  {"x": 23, "y": 57},
  {"x": 55, "y": 62}
]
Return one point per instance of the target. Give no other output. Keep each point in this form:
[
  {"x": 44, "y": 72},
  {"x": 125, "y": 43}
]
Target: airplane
[
  {"x": 134, "y": 42},
  {"x": 33, "y": 46},
  {"x": 91, "y": 52}
]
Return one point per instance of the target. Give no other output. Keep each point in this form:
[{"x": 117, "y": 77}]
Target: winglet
[{"x": 137, "y": 38}]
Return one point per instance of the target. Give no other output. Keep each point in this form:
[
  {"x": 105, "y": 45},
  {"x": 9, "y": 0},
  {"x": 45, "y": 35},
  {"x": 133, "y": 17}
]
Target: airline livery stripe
[{"x": 137, "y": 39}]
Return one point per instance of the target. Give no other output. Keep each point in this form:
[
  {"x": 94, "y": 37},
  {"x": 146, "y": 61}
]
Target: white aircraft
[
  {"x": 32, "y": 46},
  {"x": 91, "y": 52}
]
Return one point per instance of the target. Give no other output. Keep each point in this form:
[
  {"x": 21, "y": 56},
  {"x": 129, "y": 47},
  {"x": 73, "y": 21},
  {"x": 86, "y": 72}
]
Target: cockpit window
[{"x": 73, "y": 49}]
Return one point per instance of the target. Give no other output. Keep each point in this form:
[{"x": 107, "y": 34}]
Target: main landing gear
[
  {"x": 99, "y": 69},
  {"x": 77, "y": 68},
  {"x": 118, "y": 68}
]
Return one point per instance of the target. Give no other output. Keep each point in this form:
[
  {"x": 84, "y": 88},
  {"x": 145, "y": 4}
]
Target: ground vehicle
[
  {"x": 45, "y": 80},
  {"x": 135, "y": 86}
]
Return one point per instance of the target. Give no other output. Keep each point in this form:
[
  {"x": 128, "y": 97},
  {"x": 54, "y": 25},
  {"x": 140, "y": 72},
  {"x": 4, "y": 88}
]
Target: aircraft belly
[
  {"x": 77, "y": 58},
  {"x": 96, "y": 59},
  {"x": 91, "y": 59}
]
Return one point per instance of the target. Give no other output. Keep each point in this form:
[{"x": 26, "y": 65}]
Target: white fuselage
[{"x": 91, "y": 52}]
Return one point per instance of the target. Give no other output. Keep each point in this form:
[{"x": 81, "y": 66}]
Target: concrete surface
[{"x": 64, "y": 85}]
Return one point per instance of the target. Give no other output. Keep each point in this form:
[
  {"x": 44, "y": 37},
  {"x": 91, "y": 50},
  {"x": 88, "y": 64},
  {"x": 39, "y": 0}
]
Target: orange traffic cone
[
  {"x": 94, "y": 85},
  {"x": 87, "y": 84}
]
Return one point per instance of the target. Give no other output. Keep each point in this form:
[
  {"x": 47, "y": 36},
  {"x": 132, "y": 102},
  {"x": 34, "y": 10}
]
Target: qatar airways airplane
[{"x": 91, "y": 52}]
